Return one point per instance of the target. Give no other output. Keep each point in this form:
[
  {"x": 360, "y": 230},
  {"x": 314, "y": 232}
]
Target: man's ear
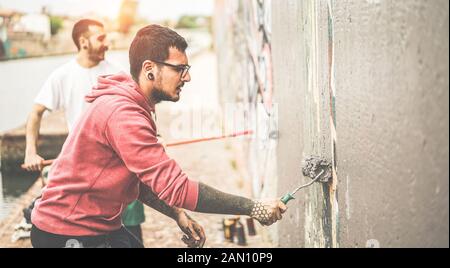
[
  {"x": 148, "y": 69},
  {"x": 148, "y": 66},
  {"x": 84, "y": 43}
]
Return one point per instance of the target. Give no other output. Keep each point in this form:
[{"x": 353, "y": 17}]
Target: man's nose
[
  {"x": 106, "y": 43},
  {"x": 187, "y": 77}
]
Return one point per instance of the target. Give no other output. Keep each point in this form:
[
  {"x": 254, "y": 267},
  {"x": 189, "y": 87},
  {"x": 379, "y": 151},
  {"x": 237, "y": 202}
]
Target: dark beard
[
  {"x": 159, "y": 95},
  {"x": 94, "y": 54}
]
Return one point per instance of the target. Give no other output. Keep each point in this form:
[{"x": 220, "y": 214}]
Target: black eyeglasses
[{"x": 182, "y": 68}]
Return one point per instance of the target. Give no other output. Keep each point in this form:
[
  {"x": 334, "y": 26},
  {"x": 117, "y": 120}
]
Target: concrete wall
[
  {"x": 392, "y": 109},
  {"x": 364, "y": 84}
]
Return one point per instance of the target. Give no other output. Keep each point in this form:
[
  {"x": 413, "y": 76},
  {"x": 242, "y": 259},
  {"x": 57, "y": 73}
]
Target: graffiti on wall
[
  {"x": 246, "y": 47},
  {"x": 262, "y": 152},
  {"x": 257, "y": 37}
]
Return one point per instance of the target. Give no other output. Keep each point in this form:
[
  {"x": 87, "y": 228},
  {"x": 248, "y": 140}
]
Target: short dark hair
[
  {"x": 152, "y": 43},
  {"x": 81, "y": 27}
]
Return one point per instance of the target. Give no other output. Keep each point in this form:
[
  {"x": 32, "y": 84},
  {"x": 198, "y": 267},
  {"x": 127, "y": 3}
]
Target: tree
[
  {"x": 187, "y": 22},
  {"x": 56, "y": 24}
]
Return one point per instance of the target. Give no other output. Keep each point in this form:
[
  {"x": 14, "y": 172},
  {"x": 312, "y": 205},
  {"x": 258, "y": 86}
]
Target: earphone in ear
[{"x": 150, "y": 76}]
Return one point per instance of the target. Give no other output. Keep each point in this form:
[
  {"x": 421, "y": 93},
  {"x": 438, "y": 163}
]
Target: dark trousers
[
  {"x": 121, "y": 238},
  {"x": 136, "y": 231}
]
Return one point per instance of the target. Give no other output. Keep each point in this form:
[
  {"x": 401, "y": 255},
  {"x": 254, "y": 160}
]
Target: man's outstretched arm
[
  {"x": 211, "y": 200},
  {"x": 149, "y": 198}
]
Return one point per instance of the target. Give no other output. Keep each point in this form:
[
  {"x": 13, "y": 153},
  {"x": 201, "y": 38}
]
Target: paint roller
[{"x": 316, "y": 168}]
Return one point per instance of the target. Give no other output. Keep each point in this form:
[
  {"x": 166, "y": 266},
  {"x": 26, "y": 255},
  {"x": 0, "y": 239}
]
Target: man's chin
[
  {"x": 97, "y": 59},
  {"x": 171, "y": 99},
  {"x": 159, "y": 95},
  {"x": 100, "y": 57},
  {"x": 176, "y": 98}
]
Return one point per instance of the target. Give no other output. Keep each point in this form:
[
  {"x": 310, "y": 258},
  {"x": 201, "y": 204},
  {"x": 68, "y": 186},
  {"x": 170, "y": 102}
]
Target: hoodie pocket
[
  {"x": 115, "y": 216},
  {"x": 97, "y": 212}
]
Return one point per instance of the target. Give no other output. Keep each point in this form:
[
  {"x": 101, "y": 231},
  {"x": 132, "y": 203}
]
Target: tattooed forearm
[
  {"x": 148, "y": 197},
  {"x": 211, "y": 200}
]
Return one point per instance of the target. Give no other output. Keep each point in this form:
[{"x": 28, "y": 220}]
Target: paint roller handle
[
  {"x": 47, "y": 162},
  {"x": 286, "y": 198}
]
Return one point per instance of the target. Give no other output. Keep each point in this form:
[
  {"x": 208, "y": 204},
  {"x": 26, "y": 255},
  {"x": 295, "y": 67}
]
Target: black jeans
[
  {"x": 136, "y": 231},
  {"x": 121, "y": 238}
]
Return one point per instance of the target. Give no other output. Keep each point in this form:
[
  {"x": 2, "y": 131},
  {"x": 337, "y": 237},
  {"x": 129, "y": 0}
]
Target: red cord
[{"x": 243, "y": 133}]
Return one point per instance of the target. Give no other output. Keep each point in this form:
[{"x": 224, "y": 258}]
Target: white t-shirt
[{"x": 69, "y": 84}]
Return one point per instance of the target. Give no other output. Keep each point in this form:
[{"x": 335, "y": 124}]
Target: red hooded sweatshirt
[{"x": 112, "y": 148}]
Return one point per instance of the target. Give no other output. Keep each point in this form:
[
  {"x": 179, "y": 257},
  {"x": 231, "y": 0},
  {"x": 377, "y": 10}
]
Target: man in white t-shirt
[
  {"x": 66, "y": 88},
  {"x": 67, "y": 85}
]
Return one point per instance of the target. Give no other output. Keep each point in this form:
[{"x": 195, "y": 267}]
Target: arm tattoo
[
  {"x": 148, "y": 197},
  {"x": 211, "y": 200}
]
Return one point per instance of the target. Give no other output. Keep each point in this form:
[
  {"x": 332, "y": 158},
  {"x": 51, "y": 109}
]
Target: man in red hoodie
[{"x": 113, "y": 157}]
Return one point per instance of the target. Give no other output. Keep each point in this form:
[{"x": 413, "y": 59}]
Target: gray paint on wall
[{"x": 391, "y": 79}]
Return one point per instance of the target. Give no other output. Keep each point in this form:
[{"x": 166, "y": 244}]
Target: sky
[{"x": 149, "y": 9}]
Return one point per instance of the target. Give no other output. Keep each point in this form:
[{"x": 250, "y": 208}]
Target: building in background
[
  {"x": 6, "y": 20},
  {"x": 34, "y": 24},
  {"x": 23, "y": 34}
]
